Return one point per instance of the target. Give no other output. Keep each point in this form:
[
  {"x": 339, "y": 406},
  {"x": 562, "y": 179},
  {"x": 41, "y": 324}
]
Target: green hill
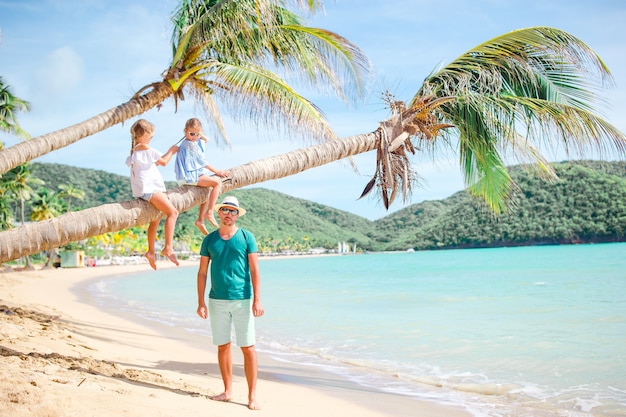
[{"x": 586, "y": 204}]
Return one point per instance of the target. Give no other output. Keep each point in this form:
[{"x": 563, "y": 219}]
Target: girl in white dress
[{"x": 147, "y": 183}]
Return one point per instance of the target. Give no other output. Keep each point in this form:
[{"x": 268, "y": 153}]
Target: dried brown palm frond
[{"x": 393, "y": 168}]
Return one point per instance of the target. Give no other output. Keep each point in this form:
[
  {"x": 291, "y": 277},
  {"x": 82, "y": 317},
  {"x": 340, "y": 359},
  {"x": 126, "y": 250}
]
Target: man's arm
[
  {"x": 255, "y": 277},
  {"x": 202, "y": 277}
]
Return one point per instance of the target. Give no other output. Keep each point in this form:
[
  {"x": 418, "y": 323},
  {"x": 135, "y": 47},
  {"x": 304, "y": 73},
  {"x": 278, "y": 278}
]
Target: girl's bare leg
[
  {"x": 161, "y": 202},
  {"x": 200, "y": 222},
  {"x": 216, "y": 189},
  {"x": 210, "y": 216},
  {"x": 152, "y": 232}
]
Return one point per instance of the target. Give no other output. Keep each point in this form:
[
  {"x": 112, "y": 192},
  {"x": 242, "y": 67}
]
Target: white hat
[{"x": 231, "y": 202}]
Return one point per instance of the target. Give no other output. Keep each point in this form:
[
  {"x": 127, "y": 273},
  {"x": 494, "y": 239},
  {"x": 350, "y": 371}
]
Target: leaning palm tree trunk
[
  {"x": 78, "y": 225},
  {"x": 41, "y": 145}
]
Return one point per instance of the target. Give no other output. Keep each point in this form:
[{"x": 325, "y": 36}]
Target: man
[{"x": 234, "y": 297}]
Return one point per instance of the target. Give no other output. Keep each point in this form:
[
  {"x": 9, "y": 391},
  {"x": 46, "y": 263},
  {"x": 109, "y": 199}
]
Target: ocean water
[{"x": 530, "y": 331}]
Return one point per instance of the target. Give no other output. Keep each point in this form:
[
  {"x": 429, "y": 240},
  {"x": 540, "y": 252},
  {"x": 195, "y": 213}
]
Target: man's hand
[
  {"x": 257, "y": 309},
  {"x": 202, "y": 311}
]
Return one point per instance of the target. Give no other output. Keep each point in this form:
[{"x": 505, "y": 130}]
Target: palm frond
[
  {"x": 250, "y": 47},
  {"x": 10, "y": 105},
  {"x": 261, "y": 96},
  {"x": 204, "y": 95},
  {"x": 337, "y": 64},
  {"x": 539, "y": 84}
]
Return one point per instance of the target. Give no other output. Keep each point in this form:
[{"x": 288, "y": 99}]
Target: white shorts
[{"x": 226, "y": 314}]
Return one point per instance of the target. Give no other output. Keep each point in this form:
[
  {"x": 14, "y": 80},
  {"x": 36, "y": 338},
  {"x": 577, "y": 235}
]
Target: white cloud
[{"x": 60, "y": 72}]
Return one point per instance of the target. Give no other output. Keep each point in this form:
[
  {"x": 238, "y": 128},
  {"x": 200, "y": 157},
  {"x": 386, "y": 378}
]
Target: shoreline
[{"x": 62, "y": 355}]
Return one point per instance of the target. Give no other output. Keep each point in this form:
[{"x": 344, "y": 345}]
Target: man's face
[{"x": 228, "y": 215}]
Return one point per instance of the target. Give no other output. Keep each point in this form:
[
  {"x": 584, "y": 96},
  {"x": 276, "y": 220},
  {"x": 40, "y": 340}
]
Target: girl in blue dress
[{"x": 192, "y": 168}]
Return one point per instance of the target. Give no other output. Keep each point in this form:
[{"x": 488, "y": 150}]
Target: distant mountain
[
  {"x": 586, "y": 204},
  {"x": 100, "y": 187}
]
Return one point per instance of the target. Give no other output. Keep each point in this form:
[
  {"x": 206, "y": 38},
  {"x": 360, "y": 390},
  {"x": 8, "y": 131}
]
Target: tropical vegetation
[{"x": 10, "y": 106}]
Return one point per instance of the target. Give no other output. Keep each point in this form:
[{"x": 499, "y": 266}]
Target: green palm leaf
[
  {"x": 10, "y": 105},
  {"x": 518, "y": 91},
  {"x": 251, "y": 48}
]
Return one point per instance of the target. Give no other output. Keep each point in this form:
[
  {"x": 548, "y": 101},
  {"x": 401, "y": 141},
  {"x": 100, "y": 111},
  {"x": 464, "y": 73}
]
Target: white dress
[{"x": 145, "y": 177}]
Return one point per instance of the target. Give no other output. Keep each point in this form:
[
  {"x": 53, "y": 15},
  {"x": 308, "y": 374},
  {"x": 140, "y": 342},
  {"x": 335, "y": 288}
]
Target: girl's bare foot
[
  {"x": 200, "y": 225},
  {"x": 212, "y": 220},
  {"x": 170, "y": 255},
  {"x": 253, "y": 405},
  {"x": 151, "y": 259}
]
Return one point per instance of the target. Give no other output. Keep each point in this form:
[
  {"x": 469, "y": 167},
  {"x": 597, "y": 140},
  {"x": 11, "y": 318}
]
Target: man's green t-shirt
[{"x": 230, "y": 271}]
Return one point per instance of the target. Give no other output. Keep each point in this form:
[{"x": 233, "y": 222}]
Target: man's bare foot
[
  {"x": 200, "y": 225},
  {"x": 222, "y": 397},
  {"x": 171, "y": 256},
  {"x": 151, "y": 259},
  {"x": 253, "y": 405},
  {"x": 212, "y": 220}
]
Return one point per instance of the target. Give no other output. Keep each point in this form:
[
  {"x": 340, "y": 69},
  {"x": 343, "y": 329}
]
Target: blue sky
[{"x": 73, "y": 59}]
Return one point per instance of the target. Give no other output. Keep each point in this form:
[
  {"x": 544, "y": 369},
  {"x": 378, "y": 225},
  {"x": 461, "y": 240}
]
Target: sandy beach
[{"x": 60, "y": 355}]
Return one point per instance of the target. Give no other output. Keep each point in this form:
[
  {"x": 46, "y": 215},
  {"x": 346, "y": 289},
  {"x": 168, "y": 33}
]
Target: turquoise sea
[{"x": 529, "y": 331}]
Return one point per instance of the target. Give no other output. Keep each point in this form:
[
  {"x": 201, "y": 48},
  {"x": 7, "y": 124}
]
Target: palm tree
[
  {"x": 5, "y": 210},
  {"x": 225, "y": 50},
  {"x": 18, "y": 183},
  {"x": 528, "y": 86},
  {"x": 69, "y": 191},
  {"x": 46, "y": 205},
  {"x": 10, "y": 105}
]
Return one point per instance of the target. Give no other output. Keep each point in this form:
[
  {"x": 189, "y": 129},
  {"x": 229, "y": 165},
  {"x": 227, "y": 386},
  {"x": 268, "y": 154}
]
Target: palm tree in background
[
  {"x": 231, "y": 52},
  {"x": 6, "y": 213},
  {"x": 503, "y": 98},
  {"x": 18, "y": 184},
  {"x": 10, "y": 105},
  {"x": 46, "y": 205},
  {"x": 69, "y": 191}
]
